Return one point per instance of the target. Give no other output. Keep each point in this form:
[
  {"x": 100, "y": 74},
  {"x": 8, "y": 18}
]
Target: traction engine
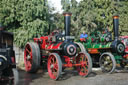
[
  {"x": 8, "y": 71},
  {"x": 106, "y": 52},
  {"x": 124, "y": 40},
  {"x": 59, "y": 52}
]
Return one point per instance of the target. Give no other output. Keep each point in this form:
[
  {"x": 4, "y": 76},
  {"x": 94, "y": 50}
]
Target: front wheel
[
  {"x": 54, "y": 66},
  {"x": 107, "y": 63},
  {"x": 85, "y": 64}
]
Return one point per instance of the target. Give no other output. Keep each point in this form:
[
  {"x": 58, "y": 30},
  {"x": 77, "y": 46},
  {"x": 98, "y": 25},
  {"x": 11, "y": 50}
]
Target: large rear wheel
[
  {"x": 54, "y": 66},
  {"x": 32, "y": 57},
  {"x": 107, "y": 63}
]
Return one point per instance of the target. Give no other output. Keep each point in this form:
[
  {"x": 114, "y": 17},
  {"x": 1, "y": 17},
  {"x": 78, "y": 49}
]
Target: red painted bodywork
[
  {"x": 82, "y": 39},
  {"x": 124, "y": 39},
  {"x": 47, "y": 43},
  {"x": 69, "y": 62}
]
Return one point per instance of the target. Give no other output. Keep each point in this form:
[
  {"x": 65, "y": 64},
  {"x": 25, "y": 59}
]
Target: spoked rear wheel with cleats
[
  {"x": 32, "y": 57},
  {"x": 107, "y": 63},
  {"x": 54, "y": 66},
  {"x": 85, "y": 64}
]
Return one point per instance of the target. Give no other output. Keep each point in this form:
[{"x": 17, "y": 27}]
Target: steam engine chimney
[
  {"x": 67, "y": 20},
  {"x": 116, "y": 26}
]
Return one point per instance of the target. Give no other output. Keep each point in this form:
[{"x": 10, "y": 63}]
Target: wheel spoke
[
  {"x": 29, "y": 64},
  {"x": 53, "y": 60},
  {"x": 85, "y": 69},
  {"x": 53, "y": 70},
  {"x": 30, "y": 55},
  {"x": 110, "y": 62},
  {"x": 56, "y": 67},
  {"x": 50, "y": 63},
  {"x": 81, "y": 70},
  {"x": 82, "y": 57},
  {"x": 28, "y": 50}
]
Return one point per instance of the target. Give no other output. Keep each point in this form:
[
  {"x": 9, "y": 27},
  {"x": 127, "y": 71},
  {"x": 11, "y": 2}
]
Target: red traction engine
[
  {"x": 124, "y": 40},
  {"x": 59, "y": 52}
]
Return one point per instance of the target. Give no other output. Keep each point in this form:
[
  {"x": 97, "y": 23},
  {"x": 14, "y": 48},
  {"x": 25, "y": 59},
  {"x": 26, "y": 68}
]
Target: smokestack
[
  {"x": 116, "y": 26},
  {"x": 67, "y": 20}
]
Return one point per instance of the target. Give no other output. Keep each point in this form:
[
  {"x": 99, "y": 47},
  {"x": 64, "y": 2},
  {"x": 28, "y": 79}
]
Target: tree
[
  {"x": 123, "y": 17},
  {"x": 65, "y": 5},
  {"x": 82, "y": 16},
  {"x": 91, "y": 15},
  {"x": 28, "y": 18},
  {"x": 110, "y": 8}
]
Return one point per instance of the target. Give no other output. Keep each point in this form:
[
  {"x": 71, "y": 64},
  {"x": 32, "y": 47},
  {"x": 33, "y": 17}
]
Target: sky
[{"x": 57, "y": 5}]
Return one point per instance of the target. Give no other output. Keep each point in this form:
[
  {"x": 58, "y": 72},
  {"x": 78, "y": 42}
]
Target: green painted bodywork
[
  {"x": 90, "y": 44},
  {"x": 97, "y": 40},
  {"x": 118, "y": 58}
]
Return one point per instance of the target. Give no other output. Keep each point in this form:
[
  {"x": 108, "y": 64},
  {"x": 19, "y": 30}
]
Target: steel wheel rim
[
  {"x": 28, "y": 58},
  {"x": 83, "y": 68},
  {"x": 106, "y": 63},
  {"x": 53, "y": 67}
]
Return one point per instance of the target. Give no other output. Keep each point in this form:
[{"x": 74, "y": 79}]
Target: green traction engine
[{"x": 107, "y": 52}]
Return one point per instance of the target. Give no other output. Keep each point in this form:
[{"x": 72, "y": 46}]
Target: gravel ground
[{"x": 72, "y": 78}]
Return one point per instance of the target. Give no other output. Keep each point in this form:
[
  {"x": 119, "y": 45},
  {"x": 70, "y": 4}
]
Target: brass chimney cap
[
  {"x": 67, "y": 14},
  {"x": 115, "y": 17}
]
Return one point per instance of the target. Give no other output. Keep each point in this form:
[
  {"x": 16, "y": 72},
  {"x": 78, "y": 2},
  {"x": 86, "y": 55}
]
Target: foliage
[
  {"x": 65, "y": 5},
  {"x": 110, "y": 8},
  {"x": 123, "y": 13},
  {"x": 91, "y": 15},
  {"x": 33, "y": 18},
  {"x": 57, "y": 21},
  {"x": 27, "y": 18}
]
